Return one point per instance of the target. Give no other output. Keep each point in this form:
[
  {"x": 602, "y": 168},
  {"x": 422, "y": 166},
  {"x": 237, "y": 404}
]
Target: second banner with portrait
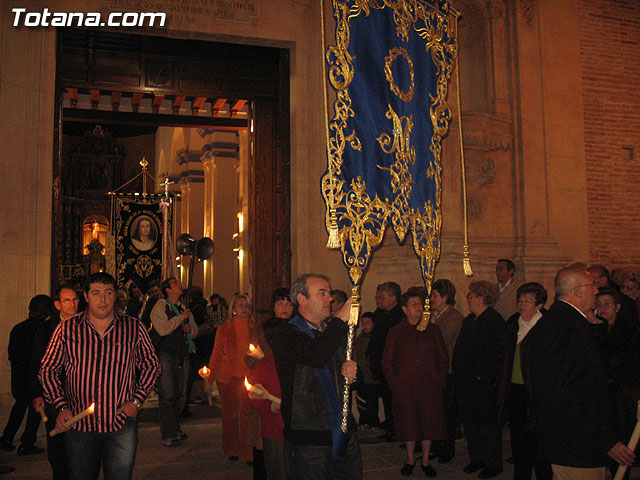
[{"x": 138, "y": 237}]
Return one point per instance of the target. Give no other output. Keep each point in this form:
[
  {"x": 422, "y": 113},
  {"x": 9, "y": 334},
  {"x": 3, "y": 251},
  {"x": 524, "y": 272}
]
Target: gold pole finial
[{"x": 144, "y": 164}]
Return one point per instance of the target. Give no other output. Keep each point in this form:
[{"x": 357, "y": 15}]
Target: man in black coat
[
  {"x": 20, "y": 346},
  {"x": 388, "y": 314},
  {"x": 566, "y": 384},
  {"x": 66, "y": 304}
]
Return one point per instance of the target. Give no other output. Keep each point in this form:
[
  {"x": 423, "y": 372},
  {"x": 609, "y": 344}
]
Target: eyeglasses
[
  {"x": 69, "y": 300},
  {"x": 526, "y": 301}
]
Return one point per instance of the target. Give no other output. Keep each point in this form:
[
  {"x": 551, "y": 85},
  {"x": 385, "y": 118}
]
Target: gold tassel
[
  {"x": 334, "y": 240},
  {"x": 426, "y": 316},
  {"x": 466, "y": 262}
]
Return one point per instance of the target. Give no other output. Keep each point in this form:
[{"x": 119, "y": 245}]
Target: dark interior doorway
[{"x": 206, "y": 85}]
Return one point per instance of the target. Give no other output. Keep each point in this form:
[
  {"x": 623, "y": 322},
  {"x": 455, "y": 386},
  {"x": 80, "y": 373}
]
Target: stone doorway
[{"x": 229, "y": 102}]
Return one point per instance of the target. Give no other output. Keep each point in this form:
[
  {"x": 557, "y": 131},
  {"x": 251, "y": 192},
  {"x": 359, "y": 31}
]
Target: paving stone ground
[{"x": 200, "y": 457}]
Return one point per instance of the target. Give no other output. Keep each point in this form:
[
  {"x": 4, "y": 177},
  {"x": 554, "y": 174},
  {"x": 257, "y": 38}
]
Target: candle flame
[
  {"x": 252, "y": 347},
  {"x": 247, "y": 384},
  {"x": 92, "y": 407},
  {"x": 205, "y": 370}
]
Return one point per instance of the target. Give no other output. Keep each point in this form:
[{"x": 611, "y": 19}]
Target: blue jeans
[
  {"x": 172, "y": 391},
  {"x": 115, "y": 451},
  {"x": 315, "y": 462}
]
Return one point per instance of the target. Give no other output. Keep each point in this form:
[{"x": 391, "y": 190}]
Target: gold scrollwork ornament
[{"x": 394, "y": 53}]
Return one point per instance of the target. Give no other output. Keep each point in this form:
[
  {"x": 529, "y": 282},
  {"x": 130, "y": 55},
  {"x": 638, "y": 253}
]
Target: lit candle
[
  {"x": 75, "y": 419},
  {"x": 204, "y": 372},
  {"x": 255, "y": 352},
  {"x": 258, "y": 391},
  {"x": 42, "y": 414}
]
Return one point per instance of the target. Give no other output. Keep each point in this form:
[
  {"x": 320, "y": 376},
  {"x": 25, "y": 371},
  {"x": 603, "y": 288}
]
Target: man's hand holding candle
[
  {"x": 255, "y": 351},
  {"x": 61, "y": 421}
]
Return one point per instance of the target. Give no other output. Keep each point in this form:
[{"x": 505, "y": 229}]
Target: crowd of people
[{"x": 566, "y": 380}]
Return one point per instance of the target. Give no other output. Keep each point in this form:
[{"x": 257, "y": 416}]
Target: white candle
[
  {"x": 42, "y": 414},
  {"x": 255, "y": 352},
  {"x": 260, "y": 392},
  {"x": 75, "y": 419}
]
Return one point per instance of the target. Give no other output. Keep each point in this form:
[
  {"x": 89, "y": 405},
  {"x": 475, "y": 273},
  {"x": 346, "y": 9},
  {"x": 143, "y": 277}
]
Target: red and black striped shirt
[{"x": 80, "y": 367}]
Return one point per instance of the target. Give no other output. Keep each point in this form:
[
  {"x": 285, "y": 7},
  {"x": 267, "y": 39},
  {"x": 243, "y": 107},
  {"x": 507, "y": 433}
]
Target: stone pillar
[
  {"x": 220, "y": 161},
  {"x": 191, "y": 209},
  {"x": 27, "y": 96}
]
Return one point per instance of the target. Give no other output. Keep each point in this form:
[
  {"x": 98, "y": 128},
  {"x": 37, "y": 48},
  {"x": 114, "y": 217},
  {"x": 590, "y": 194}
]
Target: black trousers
[
  {"x": 28, "y": 437},
  {"x": 56, "y": 452},
  {"x": 447, "y": 447},
  {"x": 523, "y": 441},
  {"x": 477, "y": 404},
  {"x": 367, "y": 401},
  {"x": 385, "y": 394}
]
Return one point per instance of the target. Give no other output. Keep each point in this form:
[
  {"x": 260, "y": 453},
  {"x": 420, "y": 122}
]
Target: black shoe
[
  {"x": 6, "y": 469},
  {"x": 186, "y": 413},
  {"x": 429, "y": 471},
  {"x": 407, "y": 470},
  {"x": 473, "y": 467},
  {"x": 233, "y": 458},
  {"x": 445, "y": 458},
  {"x": 7, "y": 446},
  {"x": 509, "y": 460},
  {"x": 389, "y": 437},
  {"x": 490, "y": 472},
  {"x": 29, "y": 450}
]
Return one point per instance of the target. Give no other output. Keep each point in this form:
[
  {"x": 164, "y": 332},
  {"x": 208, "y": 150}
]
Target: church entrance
[{"x": 211, "y": 117}]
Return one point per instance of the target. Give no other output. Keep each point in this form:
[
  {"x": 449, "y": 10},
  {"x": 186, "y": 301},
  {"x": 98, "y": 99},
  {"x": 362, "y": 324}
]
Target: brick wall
[{"x": 610, "y": 56}]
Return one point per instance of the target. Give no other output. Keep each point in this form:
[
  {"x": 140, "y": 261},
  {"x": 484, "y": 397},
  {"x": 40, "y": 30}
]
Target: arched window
[{"x": 94, "y": 227}]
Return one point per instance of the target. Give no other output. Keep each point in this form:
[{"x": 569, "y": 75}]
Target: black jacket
[
  {"x": 383, "y": 320},
  {"x": 479, "y": 350},
  {"x": 20, "y": 347},
  {"x": 567, "y": 390},
  {"x": 297, "y": 357}
]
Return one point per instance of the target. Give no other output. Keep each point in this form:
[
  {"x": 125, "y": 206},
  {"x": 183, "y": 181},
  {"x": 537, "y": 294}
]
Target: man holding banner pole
[
  {"x": 171, "y": 320},
  {"x": 309, "y": 352}
]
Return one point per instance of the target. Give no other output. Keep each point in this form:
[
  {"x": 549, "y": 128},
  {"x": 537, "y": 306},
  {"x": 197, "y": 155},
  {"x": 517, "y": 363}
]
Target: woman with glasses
[
  {"x": 415, "y": 364},
  {"x": 531, "y": 298},
  {"x": 477, "y": 361},
  {"x": 621, "y": 343}
]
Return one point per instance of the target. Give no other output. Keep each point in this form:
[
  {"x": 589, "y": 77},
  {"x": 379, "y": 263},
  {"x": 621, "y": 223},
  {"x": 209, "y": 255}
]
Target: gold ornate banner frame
[{"x": 355, "y": 218}]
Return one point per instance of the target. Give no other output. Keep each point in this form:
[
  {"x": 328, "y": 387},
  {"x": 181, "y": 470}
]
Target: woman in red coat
[
  {"x": 415, "y": 364},
  {"x": 229, "y": 370}
]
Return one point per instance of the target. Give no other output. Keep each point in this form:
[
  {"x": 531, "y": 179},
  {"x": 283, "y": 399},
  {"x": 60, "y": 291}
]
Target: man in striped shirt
[{"x": 99, "y": 356}]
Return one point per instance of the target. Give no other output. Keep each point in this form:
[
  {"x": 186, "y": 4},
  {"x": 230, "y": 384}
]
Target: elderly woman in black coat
[
  {"x": 477, "y": 361},
  {"x": 531, "y": 298}
]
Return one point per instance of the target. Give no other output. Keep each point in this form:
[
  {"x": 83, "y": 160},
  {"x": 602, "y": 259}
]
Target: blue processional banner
[{"x": 390, "y": 68}]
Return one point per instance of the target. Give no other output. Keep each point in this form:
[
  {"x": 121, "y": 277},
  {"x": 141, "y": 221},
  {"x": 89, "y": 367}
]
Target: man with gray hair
[
  {"x": 388, "y": 314},
  {"x": 309, "y": 353},
  {"x": 567, "y": 387}
]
